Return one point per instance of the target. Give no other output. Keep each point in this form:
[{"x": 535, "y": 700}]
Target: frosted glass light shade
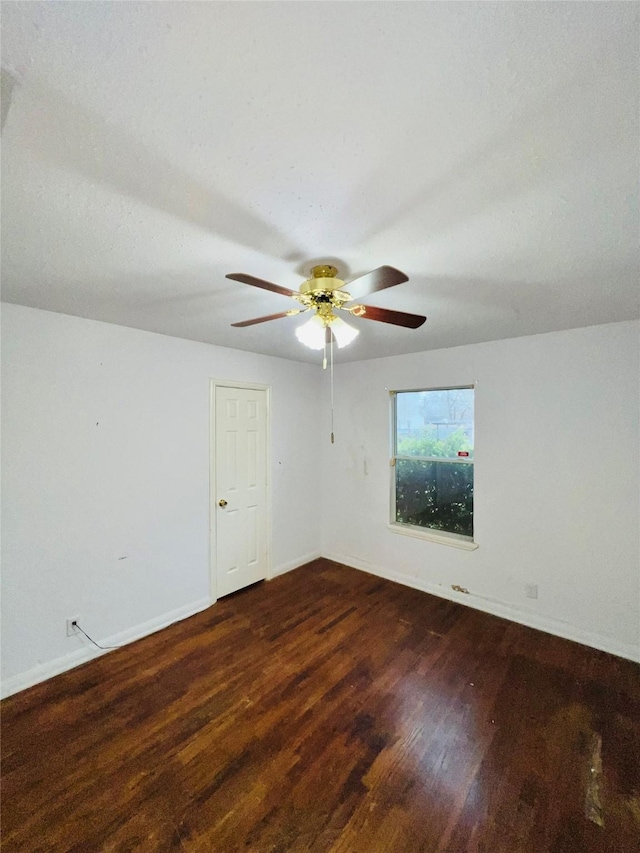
[
  {"x": 343, "y": 332},
  {"x": 312, "y": 333}
]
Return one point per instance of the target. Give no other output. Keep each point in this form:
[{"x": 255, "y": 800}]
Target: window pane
[
  {"x": 435, "y": 423},
  {"x": 438, "y": 495}
]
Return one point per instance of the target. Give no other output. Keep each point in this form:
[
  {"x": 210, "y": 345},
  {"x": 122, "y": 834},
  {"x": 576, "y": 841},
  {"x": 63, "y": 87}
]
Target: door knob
[{"x": 222, "y": 502}]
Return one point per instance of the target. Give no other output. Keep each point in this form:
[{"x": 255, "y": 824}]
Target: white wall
[
  {"x": 105, "y": 457},
  {"x": 556, "y": 480}
]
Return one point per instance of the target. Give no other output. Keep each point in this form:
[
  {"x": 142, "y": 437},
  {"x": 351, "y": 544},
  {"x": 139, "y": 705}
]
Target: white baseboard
[
  {"x": 295, "y": 564},
  {"x": 499, "y": 608},
  {"x": 62, "y": 664}
]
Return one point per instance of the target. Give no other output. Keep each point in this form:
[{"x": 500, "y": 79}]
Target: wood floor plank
[{"x": 329, "y": 711}]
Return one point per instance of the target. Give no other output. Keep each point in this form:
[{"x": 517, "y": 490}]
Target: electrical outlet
[
  {"x": 72, "y": 626},
  {"x": 531, "y": 590}
]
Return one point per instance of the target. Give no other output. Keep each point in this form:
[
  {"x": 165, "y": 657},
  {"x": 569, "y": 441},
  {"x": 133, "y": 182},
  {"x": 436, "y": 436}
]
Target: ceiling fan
[{"x": 323, "y": 293}]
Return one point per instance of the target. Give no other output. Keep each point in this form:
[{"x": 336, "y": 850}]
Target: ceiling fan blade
[
  {"x": 268, "y": 317},
  {"x": 260, "y": 282},
  {"x": 384, "y": 315},
  {"x": 375, "y": 280}
]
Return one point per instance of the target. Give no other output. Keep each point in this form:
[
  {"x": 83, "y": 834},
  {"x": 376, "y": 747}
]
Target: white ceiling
[{"x": 488, "y": 150}]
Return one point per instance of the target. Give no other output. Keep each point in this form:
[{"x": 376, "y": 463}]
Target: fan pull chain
[{"x": 331, "y": 354}]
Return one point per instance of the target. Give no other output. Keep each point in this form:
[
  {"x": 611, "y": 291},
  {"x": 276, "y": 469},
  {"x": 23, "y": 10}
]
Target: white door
[{"x": 240, "y": 493}]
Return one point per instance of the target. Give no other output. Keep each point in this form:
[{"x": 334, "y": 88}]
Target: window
[{"x": 432, "y": 461}]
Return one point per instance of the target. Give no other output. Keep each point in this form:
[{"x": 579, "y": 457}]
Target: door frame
[{"x": 213, "y": 502}]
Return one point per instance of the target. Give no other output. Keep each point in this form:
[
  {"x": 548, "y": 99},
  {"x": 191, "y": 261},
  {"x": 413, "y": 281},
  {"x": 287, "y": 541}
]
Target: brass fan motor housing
[
  {"x": 323, "y": 280},
  {"x": 323, "y": 292}
]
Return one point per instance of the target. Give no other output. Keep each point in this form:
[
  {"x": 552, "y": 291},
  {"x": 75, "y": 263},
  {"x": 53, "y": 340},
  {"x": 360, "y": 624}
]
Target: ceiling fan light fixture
[{"x": 312, "y": 333}]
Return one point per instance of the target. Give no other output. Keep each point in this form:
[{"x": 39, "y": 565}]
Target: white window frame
[{"x": 456, "y": 540}]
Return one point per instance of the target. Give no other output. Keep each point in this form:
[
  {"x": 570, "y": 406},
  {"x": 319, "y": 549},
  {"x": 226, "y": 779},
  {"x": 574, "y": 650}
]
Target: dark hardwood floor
[{"x": 329, "y": 710}]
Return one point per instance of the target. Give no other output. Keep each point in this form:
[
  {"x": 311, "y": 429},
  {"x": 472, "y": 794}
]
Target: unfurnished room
[{"x": 320, "y": 427}]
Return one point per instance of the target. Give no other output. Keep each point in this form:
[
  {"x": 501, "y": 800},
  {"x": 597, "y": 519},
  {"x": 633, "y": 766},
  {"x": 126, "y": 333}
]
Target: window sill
[{"x": 434, "y": 536}]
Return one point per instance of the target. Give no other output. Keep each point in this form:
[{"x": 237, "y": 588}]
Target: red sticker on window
[{"x": 463, "y": 453}]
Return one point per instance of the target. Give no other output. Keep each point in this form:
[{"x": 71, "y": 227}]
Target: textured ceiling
[{"x": 490, "y": 151}]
